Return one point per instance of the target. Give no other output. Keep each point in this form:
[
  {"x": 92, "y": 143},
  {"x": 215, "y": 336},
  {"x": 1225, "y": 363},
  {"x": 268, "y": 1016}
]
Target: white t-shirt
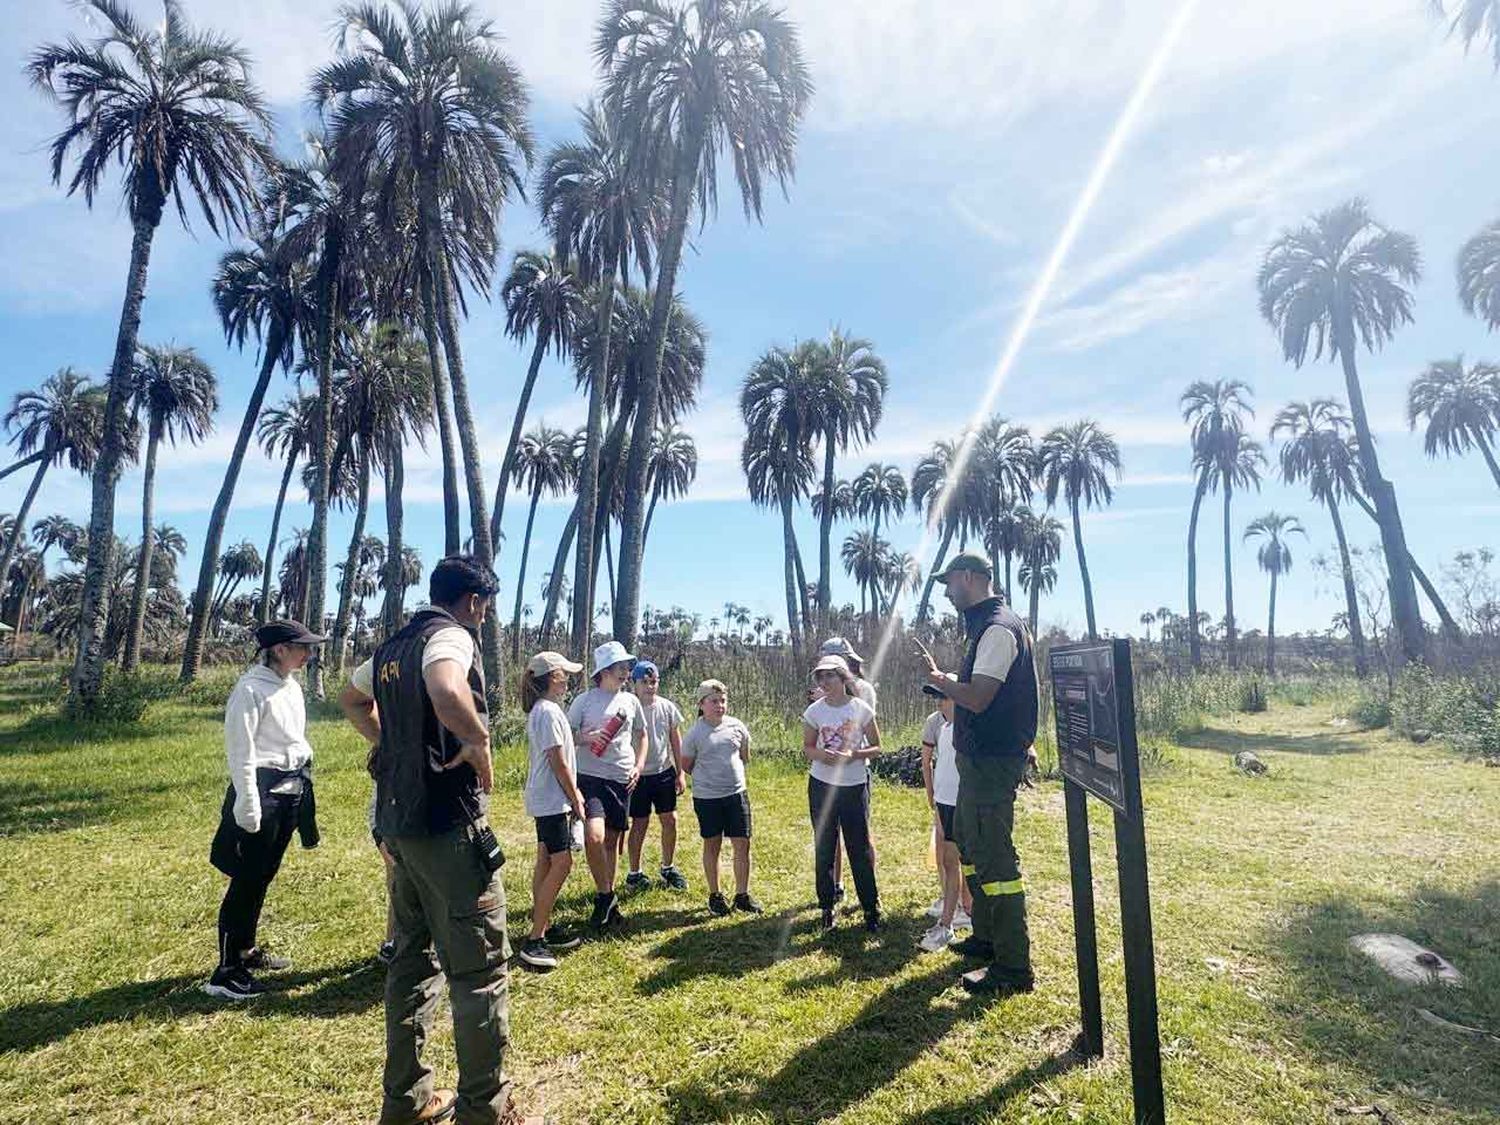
[
  {"x": 451, "y": 642},
  {"x": 662, "y": 718},
  {"x": 864, "y": 689},
  {"x": 590, "y": 711},
  {"x": 932, "y": 726},
  {"x": 996, "y": 653},
  {"x": 945, "y": 768},
  {"x": 840, "y": 728},
  {"x": 546, "y": 727},
  {"x": 715, "y": 754}
]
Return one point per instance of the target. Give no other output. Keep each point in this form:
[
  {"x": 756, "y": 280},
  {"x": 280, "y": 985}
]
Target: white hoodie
[{"x": 265, "y": 724}]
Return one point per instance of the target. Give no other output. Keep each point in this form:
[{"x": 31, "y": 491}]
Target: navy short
[
  {"x": 655, "y": 792},
  {"x": 604, "y": 798},
  {"x": 945, "y": 818},
  {"x": 723, "y": 816},
  {"x": 553, "y": 833}
]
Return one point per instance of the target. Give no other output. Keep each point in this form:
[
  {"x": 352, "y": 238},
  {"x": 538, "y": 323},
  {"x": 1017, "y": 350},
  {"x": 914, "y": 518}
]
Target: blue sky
[{"x": 942, "y": 154}]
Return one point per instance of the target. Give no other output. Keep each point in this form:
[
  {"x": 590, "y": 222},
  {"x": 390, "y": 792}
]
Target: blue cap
[{"x": 644, "y": 668}]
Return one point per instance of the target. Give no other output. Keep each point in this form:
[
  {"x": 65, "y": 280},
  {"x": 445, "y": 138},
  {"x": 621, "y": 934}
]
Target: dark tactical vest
[
  {"x": 414, "y": 795},
  {"x": 1007, "y": 727}
]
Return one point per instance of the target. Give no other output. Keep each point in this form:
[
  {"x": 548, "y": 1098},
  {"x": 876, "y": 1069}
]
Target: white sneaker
[
  {"x": 961, "y": 920},
  {"x": 936, "y": 909},
  {"x": 939, "y": 937}
]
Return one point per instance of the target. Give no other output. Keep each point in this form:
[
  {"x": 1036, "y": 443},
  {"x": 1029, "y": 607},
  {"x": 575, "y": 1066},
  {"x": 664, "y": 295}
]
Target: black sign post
[{"x": 1093, "y": 696}]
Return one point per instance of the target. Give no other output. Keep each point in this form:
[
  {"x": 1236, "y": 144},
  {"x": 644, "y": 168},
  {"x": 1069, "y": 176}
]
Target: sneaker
[
  {"x": 263, "y": 962},
  {"x": 439, "y": 1107},
  {"x": 560, "y": 937},
  {"x": 233, "y": 983},
  {"x": 535, "y": 952},
  {"x": 936, "y": 909},
  {"x": 674, "y": 878},
  {"x": 386, "y": 953},
  {"x": 838, "y": 893},
  {"x": 971, "y": 946},
  {"x": 718, "y": 905},
  {"x": 961, "y": 920},
  {"x": 605, "y": 906},
  {"x": 637, "y": 881},
  {"x": 988, "y": 983},
  {"x": 872, "y": 921},
  {"x": 748, "y": 903},
  {"x": 939, "y": 937},
  {"x": 827, "y": 922}
]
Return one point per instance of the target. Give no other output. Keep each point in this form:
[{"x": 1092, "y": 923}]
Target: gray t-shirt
[
  {"x": 715, "y": 754},
  {"x": 590, "y": 711},
  {"x": 931, "y": 728},
  {"x": 546, "y": 727},
  {"x": 662, "y": 718}
]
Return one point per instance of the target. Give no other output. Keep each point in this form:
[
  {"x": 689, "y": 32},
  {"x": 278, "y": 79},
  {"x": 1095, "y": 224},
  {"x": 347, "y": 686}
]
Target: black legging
[
  {"x": 845, "y": 808},
  {"x": 259, "y": 859}
]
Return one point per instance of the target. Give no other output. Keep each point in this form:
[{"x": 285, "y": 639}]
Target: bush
[
  {"x": 124, "y": 696},
  {"x": 1252, "y": 697},
  {"x": 1370, "y": 712},
  {"x": 1462, "y": 709},
  {"x": 904, "y": 766}
]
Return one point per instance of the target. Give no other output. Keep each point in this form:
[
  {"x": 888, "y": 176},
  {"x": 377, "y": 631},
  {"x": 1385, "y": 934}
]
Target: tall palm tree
[
  {"x": 240, "y": 563},
  {"x": 285, "y": 432},
  {"x": 839, "y": 509},
  {"x": 674, "y": 467},
  {"x": 879, "y": 492},
  {"x": 1147, "y": 620},
  {"x": 262, "y": 290},
  {"x": 428, "y": 115},
  {"x": 1075, "y": 461},
  {"x": 1275, "y": 558},
  {"x": 55, "y": 531},
  {"x": 1236, "y": 463},
  {"x": 902, "y": 572},
  {"x": 175, "y": 108},
  {"x": 1316, "y": 450},
  {"x": 1007, "y": 462},
  {"x": 866, "y": 559},
  {"x": 1216, "y": 410},
  {"x": 543, "y": 300},
  {"x": 406, "y": 574},
  {"x": 1339, "y": 281},
  {"x": 1479, "y": 275},
  {"x": 943, "y": 494},
  {"x": 292, "y": 579},
  {"x": 1041, "y": 547},
  {"x": 177, "y": 392},
  {"x": 1037, "y": 579},
  {"x": 690, "y": 79},
  {"x": 1002, "y": 536},
  {"x": 544, "y": 464},
  {"x": 1462, "y": 408}
]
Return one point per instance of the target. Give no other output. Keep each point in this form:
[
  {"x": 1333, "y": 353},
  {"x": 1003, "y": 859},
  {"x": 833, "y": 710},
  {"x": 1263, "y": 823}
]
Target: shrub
[
  {"x": 1370, "y": 712},
  {"x": 123, "y": 697},
  {"x": 1252, "y": 696}
]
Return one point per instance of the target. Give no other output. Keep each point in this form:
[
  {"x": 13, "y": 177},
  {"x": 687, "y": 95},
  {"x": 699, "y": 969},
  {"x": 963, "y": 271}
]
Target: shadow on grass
[
  {"x": 49, "y": 731},
  {"x": 1231, "y": 742},
  {"x": 983, "y": 1106},
  {"x": 327, "y": 993},
  {"x": 748, "y": 943},
  {"x": 1343, "y": 1007}
]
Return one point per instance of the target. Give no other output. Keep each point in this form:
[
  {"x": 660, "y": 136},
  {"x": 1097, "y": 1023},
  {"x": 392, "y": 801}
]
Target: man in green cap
[{"x": 994, "y": 725}]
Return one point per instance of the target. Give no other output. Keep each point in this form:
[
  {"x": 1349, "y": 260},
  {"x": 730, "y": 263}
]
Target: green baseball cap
[{"x": 970, "y": 561}]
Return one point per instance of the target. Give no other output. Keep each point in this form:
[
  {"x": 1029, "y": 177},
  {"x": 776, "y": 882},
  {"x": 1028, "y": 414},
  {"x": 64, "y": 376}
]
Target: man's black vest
[
  {"x": 414, "y": 795},
  {"x": 1007, "y": 727}
]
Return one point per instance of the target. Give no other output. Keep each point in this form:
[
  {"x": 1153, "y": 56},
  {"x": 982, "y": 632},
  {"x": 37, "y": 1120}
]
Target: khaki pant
[
  {"x": 450, "y": 919},
  {"x": 983, "y": 823}
]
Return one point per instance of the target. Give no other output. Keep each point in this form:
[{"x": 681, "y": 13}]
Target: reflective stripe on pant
[{"x": 983, "y": 823}]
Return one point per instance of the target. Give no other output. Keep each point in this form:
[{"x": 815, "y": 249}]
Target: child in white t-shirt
[{"x": 940, "y": 773}]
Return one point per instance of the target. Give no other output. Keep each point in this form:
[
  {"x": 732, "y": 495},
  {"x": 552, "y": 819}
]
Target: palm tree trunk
[
  {"x": 322, "y": 449},
  {"x": 937, "y": 568},
  {"x": 192, "y": 655},
  {"x": 18, "y": 529},
  {"x": 808, "y": 623},
  {"x": 263, "y": 612},
  {"x": 1083, "y": 570},
  {"x": 650, "y": 515},
  {"x": 609, "y": 558},
  {"x": 1351, "y": 599},
  {"x": 610, "y": 462},
  {"x": 99, "y": 565},
  {"x": 137, "y": 623},
  {"x": 588, "y": 482},
  {"x": 351, "y": 562},
  {"x": 1231, "y": 651},
  {"x": 559, "y": 572},
  {"x": 825, "y": 538},
  {"x": 789, "y": 573},
  {"x": 684, "y": 179},
  {"x": 442, "y": 413},
  {"x": 1489, "y": 458},
  {"x": 395, "y": 565},
  {"x": 1036, "y": 600},
  {"x": 1195, "y": 642},
  {"x": 1450, "y": 626},
  {"x": 1404, "y": 612},
  {"x": 515, "y": 626},
  {"x": 1008, "y": 600},
  {"x": 508, "y": 462},
  {"x": 1271, "y": 631},
  {"x": 15, "y": 466}
]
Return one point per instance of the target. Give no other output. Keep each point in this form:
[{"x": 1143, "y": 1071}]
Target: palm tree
[
  {"x": 689, "y": 79},
  {"x": 285, "y": 432},
  {"x": 1317, "y": 451},
  {"x": 674, "y": 467},
  {"x": 1041, "y": 547},
  {"x": 1479, "y": 275},
  {"x": 840, "y": 508},
  {"x": 1333, "y": 284},
  {"x": 428, "y": 115},
  {"x": 954, "y": 501},
  {"x": 902, "y": 572},
  {"x": 56, "y": 531},
  {"x": 261, "y": 289},
  {"x": 879, "y": 492},
  {"x": 1236, "y": 463},
  {"x": 59, "y": 421},
  {"x": 405, "y": 574},
  {"x": 1075, "y": 461},
  {"x": 178, "y": 393},
  {"x": 176, "y": 108},
  {"x": 1462, "y": 408},
  {"x": 1006, "y": 465},
  {"x": 1037, "y": 579},
  {"x": 292, "y": 580},
  {"x": 865, "y": 560},
  {"x": 1002, "y": 536},
  {"x": 544, "y": 300},
  {"x": 1148, "y": 619},
  {"x": 1275, "y": 558},
  {"x": 240, "y": 563},
  {"x": 1216, "y": 410},
  {"x": 543, "y": 464},
  {"x": 1471, "y": 20}
]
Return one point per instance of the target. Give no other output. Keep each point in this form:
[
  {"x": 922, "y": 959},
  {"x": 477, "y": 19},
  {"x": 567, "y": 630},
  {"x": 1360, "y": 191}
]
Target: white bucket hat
[
  {"x": 610, "y": 652},
  {"x": 838, "y": 646}
]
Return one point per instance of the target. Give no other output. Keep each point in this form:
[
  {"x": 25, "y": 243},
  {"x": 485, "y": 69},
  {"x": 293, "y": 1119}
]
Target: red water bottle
[{"x": 606, "y": 734}]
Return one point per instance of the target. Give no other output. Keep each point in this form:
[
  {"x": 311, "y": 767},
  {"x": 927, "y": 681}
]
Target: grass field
[{"x": 107, "y": 908}]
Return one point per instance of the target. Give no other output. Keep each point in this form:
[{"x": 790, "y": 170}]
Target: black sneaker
[
  {"x": 827, "y": 922},
  {"x": 989, "y": 983},
  {"x": 560, "y": 937},
  {"x": 613, "y": 919},
  {"x": 872, "y": 921},
  {"x": 603, "y": 903},
  {"x": 637, "y": 881},
  {"x": 233, "y": 983},
  {"x": 262, "y": 962},
  {"x": 386, "y": 953},
  {"x": 748, "y": 904},
  {"x": 972, "y": 946},
  {"x": 718, "y": 904},
  {"x": 674, "y": 878},
  {"x": 536, "y": 953}
]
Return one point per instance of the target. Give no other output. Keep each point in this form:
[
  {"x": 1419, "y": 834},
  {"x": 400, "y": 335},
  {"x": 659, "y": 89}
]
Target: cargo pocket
[{"x": 476, "y": 931}]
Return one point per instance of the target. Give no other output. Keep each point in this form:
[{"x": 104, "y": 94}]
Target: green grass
[{"x": 107, "y": 908}]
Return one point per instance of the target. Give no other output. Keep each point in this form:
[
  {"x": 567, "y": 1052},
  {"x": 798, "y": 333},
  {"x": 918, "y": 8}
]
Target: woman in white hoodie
[{"x": 269, "y": 797}]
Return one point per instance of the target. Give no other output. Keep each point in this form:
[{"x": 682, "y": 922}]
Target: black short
[
  {"x": 603, "y": 797},
  {"x": 655, "y": 791},
  {"x": 553, "y": 833},
  {"x": 945, "y": 818},
  {"x": 723, "y": 816}
]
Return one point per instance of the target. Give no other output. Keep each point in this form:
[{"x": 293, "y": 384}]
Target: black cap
[
  {"x": 286, "y": 633},
  {"x": 934, "y": 691},
  {"x": 970, "y": 561}
]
